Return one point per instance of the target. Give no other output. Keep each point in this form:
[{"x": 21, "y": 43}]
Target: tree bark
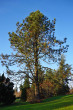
[
  {"x": 37, "y": 94},
  {"x": 36, "y": 81}
]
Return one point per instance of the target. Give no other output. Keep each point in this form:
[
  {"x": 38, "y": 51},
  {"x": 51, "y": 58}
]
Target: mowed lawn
[{"x": 53, "y": 103}]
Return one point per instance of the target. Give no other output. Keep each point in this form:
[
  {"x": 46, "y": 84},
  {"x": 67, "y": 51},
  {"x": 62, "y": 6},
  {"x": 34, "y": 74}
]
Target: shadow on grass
[
  {"x": 56, "y": 105},
  {"x": 52, "y": 98},
  {"x": 15, "y": 104},
  {"x": 57, "y": 98},
  {"x": 58, "y": 102},
  {"x": 52, "y": 103}
]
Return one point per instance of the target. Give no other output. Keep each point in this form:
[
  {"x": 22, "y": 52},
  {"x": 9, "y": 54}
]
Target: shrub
[{"x": 6, "y": 90}]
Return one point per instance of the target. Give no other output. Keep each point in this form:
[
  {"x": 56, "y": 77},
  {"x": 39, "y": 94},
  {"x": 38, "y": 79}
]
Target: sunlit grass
[{"x": 53, "y": 103}]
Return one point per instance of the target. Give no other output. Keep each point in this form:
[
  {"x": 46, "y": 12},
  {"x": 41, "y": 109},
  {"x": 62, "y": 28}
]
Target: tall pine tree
[{"x": 34, "y": 41}]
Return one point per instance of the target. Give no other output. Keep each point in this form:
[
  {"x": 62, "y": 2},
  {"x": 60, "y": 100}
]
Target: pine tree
[
  {"x": 24, "y": 87},
  {"x": 64, "y": 71},
  {"x": 34, "y": 41}
]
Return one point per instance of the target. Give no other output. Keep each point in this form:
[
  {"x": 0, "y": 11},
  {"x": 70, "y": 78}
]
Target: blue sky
[{"x": 12, "y": 11}]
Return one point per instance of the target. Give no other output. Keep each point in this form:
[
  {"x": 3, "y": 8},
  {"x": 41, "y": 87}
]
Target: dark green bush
[{"x": 6, "y": 91}]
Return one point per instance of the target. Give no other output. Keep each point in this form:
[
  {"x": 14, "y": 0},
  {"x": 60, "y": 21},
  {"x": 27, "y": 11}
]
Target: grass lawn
[{"x": 53, "y": 103}]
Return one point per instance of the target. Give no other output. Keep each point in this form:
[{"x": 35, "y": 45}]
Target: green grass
[{"x": 53, "y": 103}]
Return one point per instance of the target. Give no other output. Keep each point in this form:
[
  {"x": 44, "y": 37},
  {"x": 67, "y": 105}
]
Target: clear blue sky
[{"x": 12, "y": 11}]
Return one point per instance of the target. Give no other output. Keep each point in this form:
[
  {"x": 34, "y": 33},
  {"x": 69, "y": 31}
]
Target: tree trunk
[
  {"x": 36, "y": 71},
  {"x": 37, "y": 97},
  {"x": 36, "y": 80}
]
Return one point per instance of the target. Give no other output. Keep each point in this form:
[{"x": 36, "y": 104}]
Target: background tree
[
  {"x": 6, "y": 90},
  {"x": 49, "y": 84},
  {"x": 56, "y": 81},
  {"x": 64, "y": 72},
  {"x": 26, "y": 82},
  {"x": 34, "y": 41},
  {"x": 24, "y": 87}
]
